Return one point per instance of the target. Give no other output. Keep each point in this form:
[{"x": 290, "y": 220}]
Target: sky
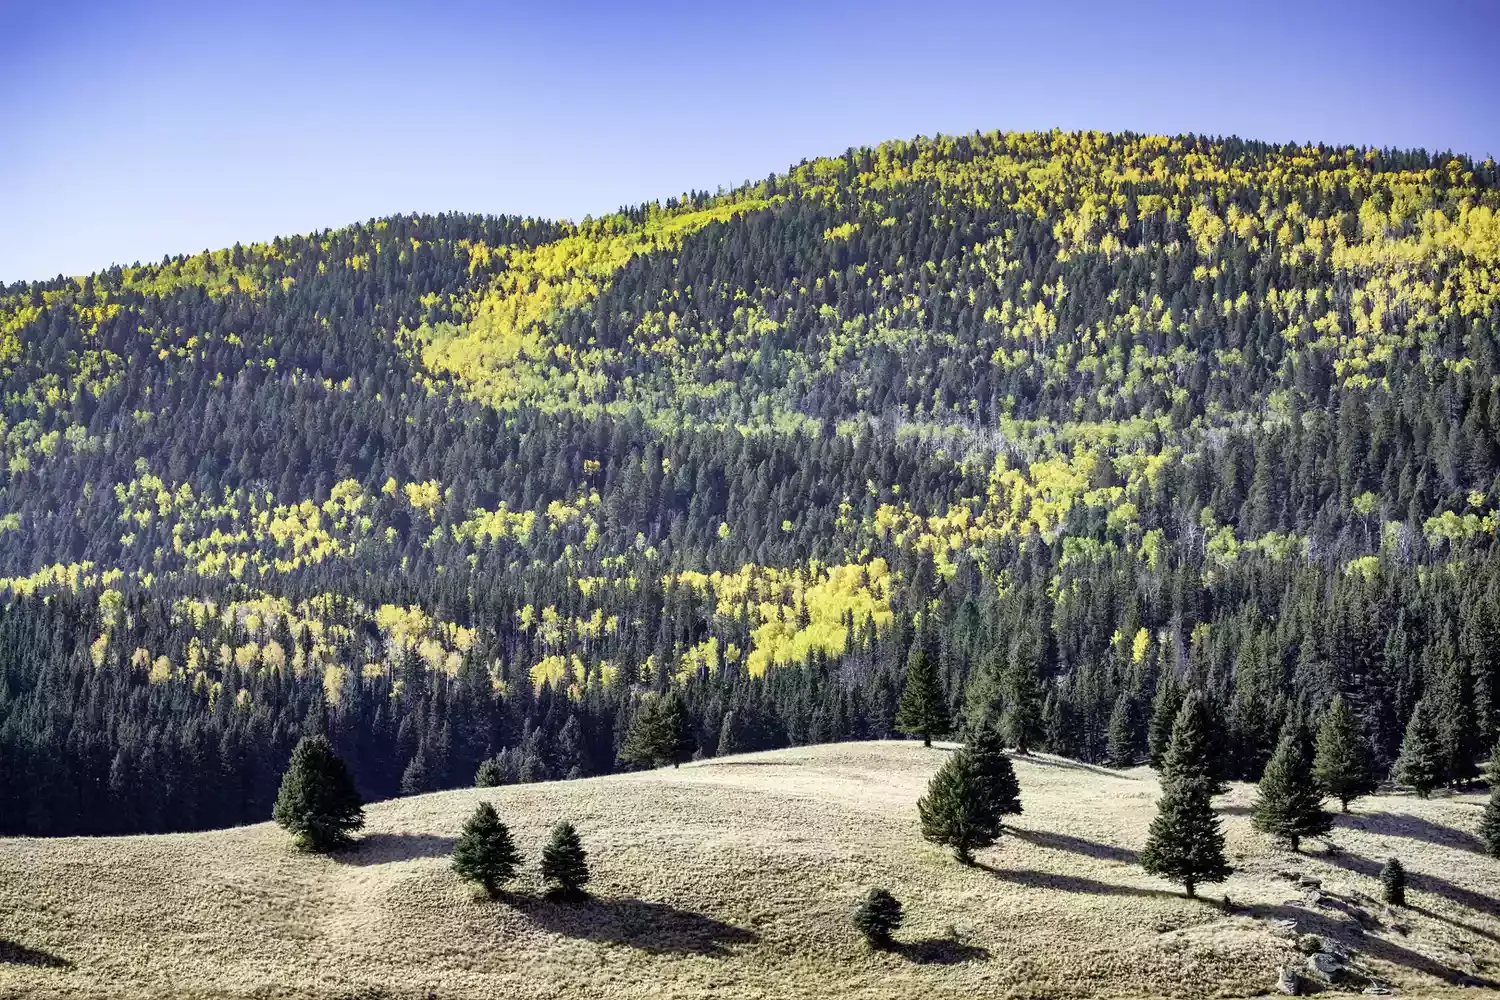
[{"x": 129, "y": 130}]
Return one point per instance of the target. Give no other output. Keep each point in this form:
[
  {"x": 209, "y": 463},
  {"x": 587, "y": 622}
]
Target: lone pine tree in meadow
[
  {"x": 1289, "y": 804},
  {"x": 317, "y": 802},
  {"x": 485, "y": 852},
  {"x": 923, "y": 710},
  {"x": 1393, "y": 882},
  {"x": 995, "y": 773},
  {"x": 957, "y": 810},
  {"x": 1185, "y": 843},
  {"x": 1341, "y": 765},
  {"x": 565, "y": 867},
  {"x": 1420, "y": 763}
]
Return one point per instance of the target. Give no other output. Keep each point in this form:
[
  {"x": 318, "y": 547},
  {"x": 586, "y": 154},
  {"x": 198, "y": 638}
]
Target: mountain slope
[
  {"x": 737, "y": 876},
  {"x": 1090, "y": 409}
]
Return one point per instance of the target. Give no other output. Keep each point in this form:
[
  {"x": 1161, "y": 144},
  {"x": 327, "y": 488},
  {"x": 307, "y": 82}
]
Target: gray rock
[
  {"x": 1325, "y": 964},
  {"x": 1290, "y": 982}
]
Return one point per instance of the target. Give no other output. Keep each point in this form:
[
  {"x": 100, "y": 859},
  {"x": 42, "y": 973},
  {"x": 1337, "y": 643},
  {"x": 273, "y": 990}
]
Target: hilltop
[
  {"x": 736, "y": 877},
  {"x": 1076, "y": 414}
]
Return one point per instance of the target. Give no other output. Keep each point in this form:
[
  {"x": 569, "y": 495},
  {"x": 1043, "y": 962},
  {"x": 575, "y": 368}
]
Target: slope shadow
[
  {"x": 1356, "y": 941},
  {"x": 15, "y": 953},
  {"x": 1072, "y": 765},
  {"x": 1075, "y": 845},
  {"x": 1072, "y": 883},
  {"x": 1455, "y": 894},
  {"x": 940, "y": 951},
  {"x": 1412, "y": 827},
  {"x": 1460, "y": 925},
  {"x": 655, "y": 928},
  {"x": 385, "y": 848}
]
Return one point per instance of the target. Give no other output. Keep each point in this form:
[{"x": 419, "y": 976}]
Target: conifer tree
[
  {"x": 996, "y": 774},
  {"x": 1164, "y": 708},
  {"x": 1420, "y": 763},
  {"x": 729, "y": 737},
  {"x": 924, "y": 708},
  {"x": 1393, "y": 882},
  {"x": 1492, "y": 767},
  {"x": 1489, "y": 823},
  {"x": 317, "y": 802},
  {"x": 1341, "y": 765},
  {"x": 1289, "y": 805},
  {"x": 1021, "y": 719},
  {"x": 490, "y": 774},
  {"x": 1192, "y": 749},
  {"x": 660, "y": 733},
  {"x": 485, "y": 852},
  {"x": 877, "y": 917},
  {"x": 956, "y": 811},
  {"x": 565, "y": 863},
  {"x": 1121, "y": 747},
  {"x": 1185, "y": 843}
]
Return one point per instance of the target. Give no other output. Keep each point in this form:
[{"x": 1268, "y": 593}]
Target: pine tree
[
  {"x": 485, "y": 852},
  {"x": 1121, "y": 747},
  {"x": 956, "y": 811},
  {"x": 1393, "y": 882},
  {"x": 1489, "y": 823},
  {"x": 490, "y": 773},
  {"x": 729, "y": 737},
  {"x": 565, "y": 863},
  {"x": 996, "y": 774},
  {"x": 1021, "y": 719},
  {"x": 1420, "y": 763},
  {"x": 1492, "y": 767},
  {"x": 317, "y": 802},
  {"x": 1164, "y": 708},
  {"x": 1288, "y": 805},
  {"x": 414, "y": 779},
  {"x": 877, "y": 916},
  {"x": 1185, "y": 843},
  {"x": 660, "y": 732},
  {"x": 1192, "y": 751},
  {"x": 1341, "y": 765},
  {"x": 924, "y": 708}
]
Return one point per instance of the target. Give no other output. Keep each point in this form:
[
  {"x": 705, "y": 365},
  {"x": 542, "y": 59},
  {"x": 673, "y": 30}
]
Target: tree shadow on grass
[
  {"x": 939, "y": 951},
  {"x": 385, "y": 848},
  {"x": 1412, "y": 827},
  {"x": 1075, "y": 845},
  {"x": 15, "y": 953},
  {"x": 655, "y": 928},
  {"x": 1455, "y": 894},
  {"x": 1072, "y": 883},
  {"x": 1353, "y": 938}
]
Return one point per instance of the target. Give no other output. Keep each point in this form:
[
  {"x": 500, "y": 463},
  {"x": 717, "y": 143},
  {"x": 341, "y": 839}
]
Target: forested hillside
[{"x": 1086, "y": 420}]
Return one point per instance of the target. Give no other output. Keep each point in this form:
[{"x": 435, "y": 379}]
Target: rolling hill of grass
[{"x": 735, "y": 877}]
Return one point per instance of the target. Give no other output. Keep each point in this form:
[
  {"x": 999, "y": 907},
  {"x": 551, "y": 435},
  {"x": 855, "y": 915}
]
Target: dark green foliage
[
  {"x": 1185, "y": 843},
  {"x": 1393, "y": 882},
  {"x": 957, "y": 810},
  {"x": 1489, "y": 823},
  {"x": 729, "y": 735},
  {"x": 1122, "y": 733},
  {"x": 565, "y": 863},
  {"x": 924, "y": 708},
  {"x": 317, "y": 803},
  {"x": 490, "y": 774},
  {"x": 1021, "y": 718},
  {"x": 1421, "y": 765},
  {"x": 1192, "y": 751},
  {"x": 1164, "y": 708},
  {"x": 1492, "y": 767},
  {"x": 1288, "y": 803},
  {"x": 1341, "y": 765},
  {"x": 878, "y": 916},
  {"x": 485, "y": 852},
  {"x": 994, "y": 771},
  {"x": 660, "y": 733},
  {"x": 415, "y": 779}
]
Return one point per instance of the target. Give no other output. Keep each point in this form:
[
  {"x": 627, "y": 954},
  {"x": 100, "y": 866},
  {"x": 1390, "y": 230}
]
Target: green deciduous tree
[
  {"x": 317, "y": 802},
  {"x": 485, "y": 852},
  {"x": 1341, "y": 765},
  {"x": 1289, "y": 804}
]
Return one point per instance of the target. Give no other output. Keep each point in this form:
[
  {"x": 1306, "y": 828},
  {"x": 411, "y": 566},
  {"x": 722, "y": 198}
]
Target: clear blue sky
[{"x": 136, "y": 129}]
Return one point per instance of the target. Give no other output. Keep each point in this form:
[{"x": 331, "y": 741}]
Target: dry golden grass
[{"x": 735, "y": 878}]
